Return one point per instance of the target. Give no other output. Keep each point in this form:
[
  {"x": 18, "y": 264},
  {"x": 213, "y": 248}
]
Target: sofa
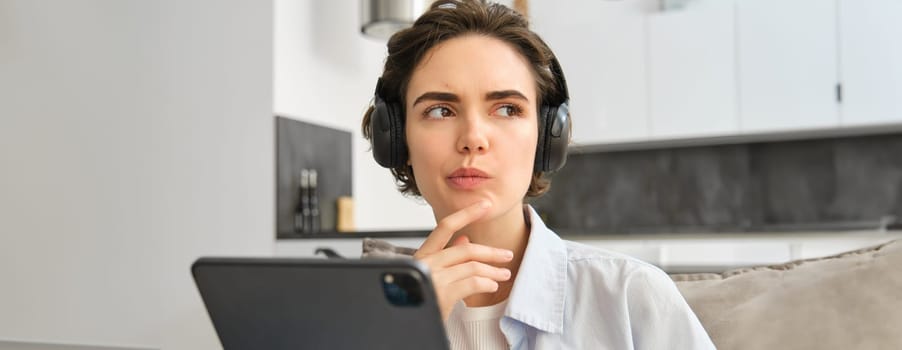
[
  {"x": 851, "y": 300},
  {"x": 846, "y": 301}
]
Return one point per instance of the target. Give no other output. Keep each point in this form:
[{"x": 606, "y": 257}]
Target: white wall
[
  {"x": 325, "y": 73},
  {"x": 135, "y": 136}
]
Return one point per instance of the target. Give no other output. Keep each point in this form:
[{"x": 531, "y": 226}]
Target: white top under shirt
[{"x": 476, "y": 328}]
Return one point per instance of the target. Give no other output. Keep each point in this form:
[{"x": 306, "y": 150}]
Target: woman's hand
[{"x": 463, "y": 269}]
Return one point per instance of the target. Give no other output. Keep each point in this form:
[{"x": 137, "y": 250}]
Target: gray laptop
[{"x": 284, "y": 303}]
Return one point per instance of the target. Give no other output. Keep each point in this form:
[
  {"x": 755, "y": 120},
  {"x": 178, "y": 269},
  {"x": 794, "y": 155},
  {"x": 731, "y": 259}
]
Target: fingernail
[
  {"x": 507, "y": 254},
  {"x": 506, "y": 272},
  {"x": 484, "y": 204}
]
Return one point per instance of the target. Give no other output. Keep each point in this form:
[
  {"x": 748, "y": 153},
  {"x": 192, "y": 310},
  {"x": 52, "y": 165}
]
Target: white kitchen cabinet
[
  {"x": 692, "y": 70},
  {"x": 716, "y": 68},
  {"x": 870, "y": 61},
  {"x": 601, "y": 47},
  {"x": 787, "y": 64}
]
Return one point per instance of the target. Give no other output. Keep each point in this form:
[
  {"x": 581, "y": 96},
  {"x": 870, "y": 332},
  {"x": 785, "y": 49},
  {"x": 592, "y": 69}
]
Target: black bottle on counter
[
  {"x": 302, "y": 212},
  {"x": 314, "y": 203}
]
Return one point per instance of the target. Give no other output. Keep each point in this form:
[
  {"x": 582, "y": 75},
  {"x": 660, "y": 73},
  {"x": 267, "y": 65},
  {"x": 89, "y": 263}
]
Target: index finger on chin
[{"x": 446, "y": 228}]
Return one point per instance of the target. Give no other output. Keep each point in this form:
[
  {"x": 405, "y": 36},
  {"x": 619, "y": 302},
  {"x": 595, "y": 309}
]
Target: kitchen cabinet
[
  {"x": 601, "y": 47},
  {"x": 692, "y": 70},
  {"x": 787, "y": 64},
  {"x": 640, "y": 71},
  {"x": 870, "y": 61}
]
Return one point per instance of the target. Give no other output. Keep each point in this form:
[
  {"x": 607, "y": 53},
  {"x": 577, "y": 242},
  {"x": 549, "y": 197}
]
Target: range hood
[{"x": 380, "y": 19}]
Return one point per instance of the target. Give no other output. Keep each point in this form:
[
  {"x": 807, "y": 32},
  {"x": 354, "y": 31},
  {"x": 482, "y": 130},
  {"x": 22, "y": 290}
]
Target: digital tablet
[{"x": 301, "y": 303}]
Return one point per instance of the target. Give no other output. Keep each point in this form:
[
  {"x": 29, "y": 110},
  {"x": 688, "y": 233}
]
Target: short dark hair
[{"x": 446, "y": 20}]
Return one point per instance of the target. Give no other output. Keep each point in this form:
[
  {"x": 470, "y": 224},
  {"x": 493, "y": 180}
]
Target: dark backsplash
[
  {"x": 838, "y": 183},
  {"x": 302, "y": 145}
]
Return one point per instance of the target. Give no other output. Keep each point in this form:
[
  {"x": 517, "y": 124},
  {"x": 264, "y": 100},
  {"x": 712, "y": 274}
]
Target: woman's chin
[
  {"x": 467, "y": 199},
  {"x": 453, "y": 204}
]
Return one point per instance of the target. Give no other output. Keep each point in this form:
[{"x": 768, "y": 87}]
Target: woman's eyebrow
[
  {"x": 498, "y": 95},
  {"x": 437, "y": 96}
]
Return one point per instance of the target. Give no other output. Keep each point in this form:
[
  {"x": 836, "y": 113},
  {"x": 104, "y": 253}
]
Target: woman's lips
[
  {"x": 466, "y": 182},
  {"x": 467, "y": 178}
]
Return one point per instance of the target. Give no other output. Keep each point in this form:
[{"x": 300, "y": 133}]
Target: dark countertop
[
  {"x": 590, "y": 235},
  {"x": 354, "y": 234}
]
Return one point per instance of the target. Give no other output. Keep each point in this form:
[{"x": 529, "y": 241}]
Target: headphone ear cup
[
  {"x": 540, "y": 164},
  {"x": 554, "y": 137},
  {"x": 399, "y": 139},
  {"x": 389, "y": 146},
  {"x": 558, "y": 141}
]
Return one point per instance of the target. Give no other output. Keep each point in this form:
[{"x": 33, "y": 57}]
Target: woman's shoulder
[{"x": 629, "y": 294}]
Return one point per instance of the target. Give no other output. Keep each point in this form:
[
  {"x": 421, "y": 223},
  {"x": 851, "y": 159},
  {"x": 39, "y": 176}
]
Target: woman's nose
[{"x": 472, "y": 136}]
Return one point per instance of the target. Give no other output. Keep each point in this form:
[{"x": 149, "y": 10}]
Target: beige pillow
[{"x": 847, "y": 301}]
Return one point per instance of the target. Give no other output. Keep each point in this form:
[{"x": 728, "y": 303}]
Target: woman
[{"x": 471, "y": 113}]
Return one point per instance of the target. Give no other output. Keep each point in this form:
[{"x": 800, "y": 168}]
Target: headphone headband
[{"x": 559, "y": 81}]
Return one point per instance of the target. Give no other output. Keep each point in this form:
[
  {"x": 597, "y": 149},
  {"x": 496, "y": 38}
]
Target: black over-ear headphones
[{"x": 390, "y": 146}]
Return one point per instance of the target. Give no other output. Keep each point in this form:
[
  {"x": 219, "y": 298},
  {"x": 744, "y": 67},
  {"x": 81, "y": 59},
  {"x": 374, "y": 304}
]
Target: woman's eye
[
  {"x": 509, "y": 111},
  {"x": 438, "y": 112}
]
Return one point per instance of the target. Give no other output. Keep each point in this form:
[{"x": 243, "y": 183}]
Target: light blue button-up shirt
[{"x": 569, "y": 295}]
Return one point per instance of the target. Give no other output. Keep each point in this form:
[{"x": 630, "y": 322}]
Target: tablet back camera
[{"x": 402, "y": 289}]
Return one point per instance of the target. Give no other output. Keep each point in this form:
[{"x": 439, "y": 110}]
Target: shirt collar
[{"x": 537, "y": 297}]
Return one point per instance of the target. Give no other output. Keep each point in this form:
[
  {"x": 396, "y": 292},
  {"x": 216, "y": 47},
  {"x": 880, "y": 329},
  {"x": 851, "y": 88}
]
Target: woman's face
[{"x": 471, "y": 125}]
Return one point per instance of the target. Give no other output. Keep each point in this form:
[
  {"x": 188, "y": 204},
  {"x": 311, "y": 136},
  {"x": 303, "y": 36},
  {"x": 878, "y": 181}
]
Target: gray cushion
[
  {"x": 376, "y": 248},
  {"x": 847, "y": 301}
]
